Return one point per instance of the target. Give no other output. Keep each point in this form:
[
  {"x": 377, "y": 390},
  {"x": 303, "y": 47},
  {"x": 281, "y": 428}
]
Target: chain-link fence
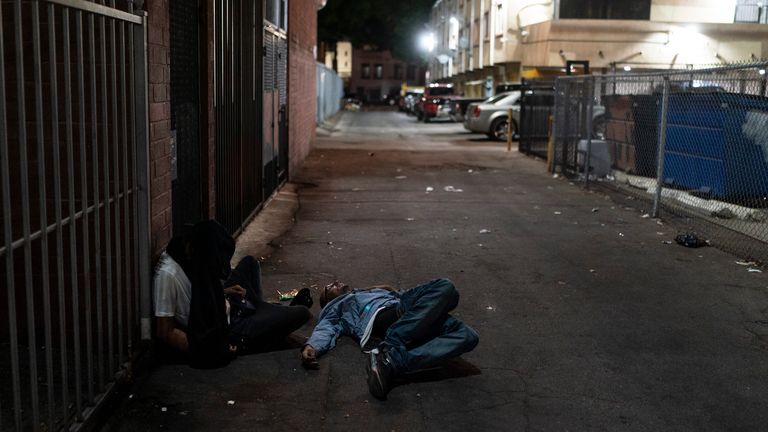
[{"x": 692, "y": 143}]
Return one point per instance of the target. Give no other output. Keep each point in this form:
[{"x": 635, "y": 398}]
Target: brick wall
[
  {"x": 302, "y": 35},
  {"x": 158, "y": 44}
]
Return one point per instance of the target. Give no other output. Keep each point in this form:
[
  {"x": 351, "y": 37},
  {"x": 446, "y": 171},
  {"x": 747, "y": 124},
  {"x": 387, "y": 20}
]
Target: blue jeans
[{"x": 426, "y": 333}]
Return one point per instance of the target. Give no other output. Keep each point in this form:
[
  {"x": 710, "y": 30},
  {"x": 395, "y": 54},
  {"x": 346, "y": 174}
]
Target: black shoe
[
  {"x": 303, "y": 298},
  {"x": 380, "y": 374}
]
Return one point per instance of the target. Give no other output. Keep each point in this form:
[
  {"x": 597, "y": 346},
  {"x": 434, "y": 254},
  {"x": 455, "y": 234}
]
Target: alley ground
[{"x": 587, "y": 320}]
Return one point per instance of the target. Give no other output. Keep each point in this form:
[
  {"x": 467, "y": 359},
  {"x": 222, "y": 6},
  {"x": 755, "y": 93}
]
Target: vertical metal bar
[
  {"x": 590, "y": 100},
  {"x": 566, "y": 123},
  {"x": 97, "y": 208},
  {"x": 135, "y": 305},
  {"x": 662, "y": 146},
  {"x": 126, "y": 253},
  {"x": 8, "y": 237},
  {"x": 71, "y": 206},
  {"x": 116, "y": 194},
  {"x": 141, "y": 128},
  {"x": 42, "y": 196},
  {"x": 107, "y": 217},
  {"x": 25, "y": 210},
  {"x": 84, "y": 200},
  {"x": 57, "y": 194}
]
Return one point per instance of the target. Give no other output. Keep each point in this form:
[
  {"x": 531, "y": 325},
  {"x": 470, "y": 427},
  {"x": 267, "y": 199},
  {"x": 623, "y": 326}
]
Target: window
[
  {"x": 486, "y": 30},
  {"x": 366, "y": 71},
  {"x": 378, "y": 71},
  {"x": 410, "y": 73},
  {"x": 605, "y": 9},
  {"x": 476, "y": 32},
  {"x": 453, "y": 34},
  {"x": 398, "y": 71},
  {"x": 501, "y": 18}
]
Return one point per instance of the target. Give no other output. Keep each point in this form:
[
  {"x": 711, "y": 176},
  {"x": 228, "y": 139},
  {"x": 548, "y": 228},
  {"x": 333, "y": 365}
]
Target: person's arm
[
  {"x": 323, "y": 338},
  {"x": 172, "y": 335}
]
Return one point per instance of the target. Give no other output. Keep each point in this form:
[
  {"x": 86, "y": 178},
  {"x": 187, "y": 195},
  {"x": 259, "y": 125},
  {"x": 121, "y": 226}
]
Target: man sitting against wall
[{"x": 210, "y": 312}]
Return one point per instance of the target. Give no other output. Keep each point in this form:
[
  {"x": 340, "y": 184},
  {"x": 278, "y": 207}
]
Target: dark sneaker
[
  {"x": 380, "y": 374},
  {"x": 303, "y": 298}
]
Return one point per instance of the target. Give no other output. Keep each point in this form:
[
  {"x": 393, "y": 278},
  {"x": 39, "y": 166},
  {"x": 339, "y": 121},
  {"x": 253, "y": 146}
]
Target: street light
[{"x": 427, "y": 42}]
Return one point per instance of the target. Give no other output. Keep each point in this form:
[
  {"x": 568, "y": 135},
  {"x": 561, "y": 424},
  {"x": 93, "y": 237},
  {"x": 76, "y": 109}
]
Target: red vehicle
[{"x": 436, "y": 102}]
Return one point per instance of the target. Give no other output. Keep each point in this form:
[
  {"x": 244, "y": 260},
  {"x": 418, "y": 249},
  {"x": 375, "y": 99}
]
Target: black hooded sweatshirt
[{"x": 206, "y": 264}]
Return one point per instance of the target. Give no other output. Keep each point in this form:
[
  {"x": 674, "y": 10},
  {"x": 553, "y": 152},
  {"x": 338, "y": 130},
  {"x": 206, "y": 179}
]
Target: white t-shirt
[{"x": 173, "y": 290}]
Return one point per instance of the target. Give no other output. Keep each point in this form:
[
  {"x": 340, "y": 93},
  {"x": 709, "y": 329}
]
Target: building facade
[
  {"x": 481, "y": 43},
  {"x": 376, "y": 74}
]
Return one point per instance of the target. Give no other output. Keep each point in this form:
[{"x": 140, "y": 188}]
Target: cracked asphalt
[{"x": 587, "y": 319}]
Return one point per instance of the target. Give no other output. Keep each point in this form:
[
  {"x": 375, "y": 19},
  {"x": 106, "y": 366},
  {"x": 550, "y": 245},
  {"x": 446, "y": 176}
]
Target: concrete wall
[{"x": 699, "y": 11}]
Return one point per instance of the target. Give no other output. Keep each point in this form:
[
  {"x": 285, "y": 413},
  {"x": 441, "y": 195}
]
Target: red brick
[{"x": 159, "y": 111}]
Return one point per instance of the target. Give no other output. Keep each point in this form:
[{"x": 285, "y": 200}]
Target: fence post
[
  {"x": 589, "y": 98},
  {"x": 142, "y": 173},
  {"x": 566, "y": 122},
  {"x": 509, "y": 130},
  {"x": 662, "y": 140}
]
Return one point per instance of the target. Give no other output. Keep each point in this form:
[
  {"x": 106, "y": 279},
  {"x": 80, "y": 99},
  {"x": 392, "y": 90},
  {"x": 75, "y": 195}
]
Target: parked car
[
  {"x": 436, "y": 102},
  {"x": 459, "y": 108},
  {"x": 508, "y": 87},
  {"x": 491, "y": 116},
  {"x": 409, "y": 100}
]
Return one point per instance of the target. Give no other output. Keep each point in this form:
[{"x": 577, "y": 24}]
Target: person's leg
[
  {"x": 247, "y": 274},
  {"x": 455, "y": 338},
  {"x": 265, "y": 324},
  {"x": 422, "y": 312}
]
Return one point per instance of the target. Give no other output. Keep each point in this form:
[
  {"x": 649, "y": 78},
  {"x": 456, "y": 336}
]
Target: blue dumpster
[{"x": 712, "y": 143}]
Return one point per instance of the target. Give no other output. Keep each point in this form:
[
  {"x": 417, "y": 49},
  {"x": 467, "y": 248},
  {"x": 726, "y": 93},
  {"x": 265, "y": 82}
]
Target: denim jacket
[{"x": 351, "y": 314}]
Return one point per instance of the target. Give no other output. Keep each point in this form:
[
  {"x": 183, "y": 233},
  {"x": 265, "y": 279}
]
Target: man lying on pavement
[{"x": 415, "y": 325}]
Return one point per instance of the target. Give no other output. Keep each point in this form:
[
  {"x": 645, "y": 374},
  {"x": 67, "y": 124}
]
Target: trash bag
[{"x": 691, "y": 240}]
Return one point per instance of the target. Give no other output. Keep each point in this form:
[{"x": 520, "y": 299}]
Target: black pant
[{"x": 256, "y": 325}]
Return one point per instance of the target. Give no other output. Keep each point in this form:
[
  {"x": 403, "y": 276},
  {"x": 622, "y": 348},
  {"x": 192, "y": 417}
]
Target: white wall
[{"x": 693, "y": 11}]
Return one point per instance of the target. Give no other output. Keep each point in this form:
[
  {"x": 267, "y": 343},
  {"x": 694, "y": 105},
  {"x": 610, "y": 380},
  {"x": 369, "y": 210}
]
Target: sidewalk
[{"x": 587, "y": 320}]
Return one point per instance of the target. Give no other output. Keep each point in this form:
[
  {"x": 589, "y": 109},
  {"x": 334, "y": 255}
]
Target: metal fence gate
[
  {"x": 536, "y": 106},
  {"x": 251, "y": 56},
  {"x": 74, "y": 246},
  {"x": 690, "y": 145}
]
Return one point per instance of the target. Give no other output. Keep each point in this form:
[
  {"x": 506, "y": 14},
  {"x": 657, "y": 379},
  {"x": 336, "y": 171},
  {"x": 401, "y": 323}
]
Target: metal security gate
[
  {"x": 237, "y": 95},
  {"x": 186, "y": 129},
  {"x": 251, "y": 54},
  {"x": 275, "y": 148},
  {"x": 74, "y": 246}
]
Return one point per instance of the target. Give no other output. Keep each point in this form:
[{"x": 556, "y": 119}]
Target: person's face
[{"x": 334, "y": 290}]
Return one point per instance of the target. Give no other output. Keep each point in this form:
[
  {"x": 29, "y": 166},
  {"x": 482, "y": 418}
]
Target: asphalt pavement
[{"x": 588, "y": 319}]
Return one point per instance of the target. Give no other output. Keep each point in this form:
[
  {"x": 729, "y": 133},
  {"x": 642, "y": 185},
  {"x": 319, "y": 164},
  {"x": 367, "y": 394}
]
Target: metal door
[
  {"x": 185, "y": 113},
  {"x": 238, "y": 33}
]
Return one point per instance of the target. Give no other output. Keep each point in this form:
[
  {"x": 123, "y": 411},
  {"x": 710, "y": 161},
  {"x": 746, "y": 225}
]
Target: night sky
[{"x": 388, "y": 24}]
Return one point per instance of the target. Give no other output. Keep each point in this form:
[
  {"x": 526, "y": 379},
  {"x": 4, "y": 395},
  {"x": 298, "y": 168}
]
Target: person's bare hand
[
  {"x": 309, "y": 357},
  {"x": 235, "y": 290}
]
